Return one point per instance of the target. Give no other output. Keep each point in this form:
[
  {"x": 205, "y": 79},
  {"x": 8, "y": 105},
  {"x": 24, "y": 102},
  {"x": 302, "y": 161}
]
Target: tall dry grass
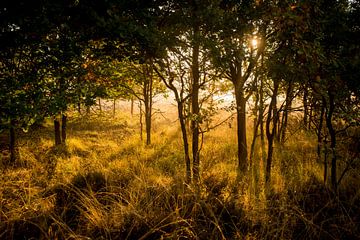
[{"x": 106, "y": 184}]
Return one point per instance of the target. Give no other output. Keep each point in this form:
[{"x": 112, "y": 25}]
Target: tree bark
[
  {"x": 79, "y": 107},
  {"x": 185, "y": 140},
  {"x": 195, "y": 120},
  {"x": 270, "y": 133},
  {"x": 148, "y": 95},
  {"x": 241, "y": 128},
  {"x": 148, "y": 126},
  {"x": 114, "y": 107},
  {"x": 141, "y": 120},
  {"x": 254, "y": 162},
  {"x": 256, "y": 124},
  {"x": 325, "y": 161},
  {"x": 261, "y": 116},
  {"x": 132, "y": 106},
  {"x": 285, "y": 116},
  {"x": 63, "y": 128},
  {"x": 332, "y": 140},
  {"x": 319, "y": 130},
  {"x": 310, "y": 120},
  {"x": 57, "y": 132}
]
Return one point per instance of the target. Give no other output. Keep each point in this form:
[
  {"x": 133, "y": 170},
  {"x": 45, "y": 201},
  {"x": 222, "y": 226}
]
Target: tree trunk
[
  {"x": 185, "y": 140},
  {"x": 254, "y": 162},
  {"x": 269, "y": 158},
  {"x": 141, "y": 120},
  {"x": 319, "y": 130},
  {"x": 261, "y": 118},
  {"x": 285, "y": 116},
  {"x": 187, "y": 113},
  {"x": 79, "y": 107},
  {"x": 114, "y": 107},
  {"x": 181, "y": 105},
  {"x": 148, "y": 126},
  {"x": 241, "y": 129},
  {"x": 256, "y": 123},
  {"x": 63, "y": 128},
  {"x": 270, "y": 133},
  {"x": 325, "y": 161},
  {"x": 100, "y": 108},
  {"x": 332, "y": 140},
  {"x": 195, "y": 120},
  {"x": 12, "y": 144},
  {"x": 57, "y": 132},
  {"x": 148, "y": 94},
  {"x": 132, "y": 106}
]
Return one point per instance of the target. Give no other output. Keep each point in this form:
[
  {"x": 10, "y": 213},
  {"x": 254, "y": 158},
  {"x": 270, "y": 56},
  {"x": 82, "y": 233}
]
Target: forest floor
[{"x": 107, "y": 184}]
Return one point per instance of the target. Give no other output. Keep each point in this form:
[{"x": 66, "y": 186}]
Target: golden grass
[{"x": 128, "y": 190}]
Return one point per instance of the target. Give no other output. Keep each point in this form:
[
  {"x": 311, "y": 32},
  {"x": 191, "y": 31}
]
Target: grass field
[{"x": 106, "y": 184}]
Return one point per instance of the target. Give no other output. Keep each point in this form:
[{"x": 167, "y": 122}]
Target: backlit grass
[{"x": 107, "y": 184}]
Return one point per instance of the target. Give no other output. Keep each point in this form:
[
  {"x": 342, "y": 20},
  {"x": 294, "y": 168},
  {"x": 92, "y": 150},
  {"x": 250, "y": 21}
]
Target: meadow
[{"x": 105, "y": 183}]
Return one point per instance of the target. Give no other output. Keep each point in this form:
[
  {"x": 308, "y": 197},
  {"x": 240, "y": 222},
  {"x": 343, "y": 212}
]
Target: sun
[{"x": 254, "y": 42}]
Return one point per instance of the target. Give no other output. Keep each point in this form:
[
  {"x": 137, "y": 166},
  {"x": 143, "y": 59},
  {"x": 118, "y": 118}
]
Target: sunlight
[{"x": 254, "y": 42}]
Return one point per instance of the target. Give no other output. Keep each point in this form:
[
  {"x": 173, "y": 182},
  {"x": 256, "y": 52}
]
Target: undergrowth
[{"x": 106, "y": 184}]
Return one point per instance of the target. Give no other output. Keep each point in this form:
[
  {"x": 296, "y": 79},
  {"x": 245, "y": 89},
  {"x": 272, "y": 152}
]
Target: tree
[
  {"x": 21, "y": 65},
  {"x": 21, "y": 97},
  {"x": 175, "y": 76},
  {"x": 234, "y": 54},
  {"x": 339, "y": 69},
  {"x": 292, "y": 59},
  {"x": 144, "y": 85}
]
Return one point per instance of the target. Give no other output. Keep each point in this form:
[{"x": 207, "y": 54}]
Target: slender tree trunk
[
  {"x": 195, "y": 104},
  {"x": 285, "y": 116},
  {"x": 325, "y": 160},
  {"x": 270, "y": 133},
  {"x": 148, "y": 126},
  {"x": 306, "y": 110},
  {"x": 132, "y": 106},
  {"x": 279, "y": 126},
  {"x": 181, "y": 105},
  {"x": 148, "y": 94},
  {"x": 57, "y": 131},
  {"x": 284, "y": 125},
  {"x": 269, "y": 158},
  {"x": 12, "y": 145},
  {"x": 114, "y": 107},
  {"x": 255, "y": 135},
  {"x": 332, "y": 140},
  {"x": 319, "y": 130},
  {"x": 100, "y": 109},
  {"x": 254, "y": 162},
  {"x": 261, "y": 118},
  {"x": 185, "y": 140},
  {"x": 188, "y": 110},
  {"x": 310, "y": 116},
  {"x": 141, "y": 120},
  {"x": 63, "y": 128},
  {"x": 79, "y": 107}
]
